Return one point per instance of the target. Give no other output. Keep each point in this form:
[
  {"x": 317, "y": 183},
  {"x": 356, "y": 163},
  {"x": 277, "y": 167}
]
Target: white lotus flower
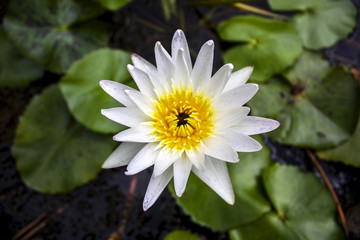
[{"x": 183, "y": 119}]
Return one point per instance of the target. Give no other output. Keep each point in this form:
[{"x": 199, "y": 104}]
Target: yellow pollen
[{"x": 181, "y": 119}]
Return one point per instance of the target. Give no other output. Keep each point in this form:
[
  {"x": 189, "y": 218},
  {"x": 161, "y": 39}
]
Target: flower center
[{"x": 182, "y": 119}]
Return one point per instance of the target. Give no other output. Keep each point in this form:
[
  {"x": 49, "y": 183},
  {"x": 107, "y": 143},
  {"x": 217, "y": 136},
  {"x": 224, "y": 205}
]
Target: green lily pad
[
  {"x": 207, "y": 208},
  {"x": 302, "y": 209},
  {"x": 317, "y": 106},
  {"x": 54, "y": 153},
  {"x": 348, "y": 153},
  {"x": 55, "y": 33},
  {"x": 316, "y": 24},
  {"x": 113, "y": 5},
  {"x": 15, "y": 69},
  {"x": 85, "y": 98},
  {"x": 181, "y": 235},
  {"x": 269, "y": 45}
]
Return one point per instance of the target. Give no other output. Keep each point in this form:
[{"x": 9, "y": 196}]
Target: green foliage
[
  {"x": 269, "y": 45},
  {"x": 302, "y": 208},
  {"x": 54, "y": 153},
  {"x": 348, "y": 153},
  {"x": 15, "y": 69},
  {"x": 55, "y": 33},
  {"x": 85, "y": 98},
  {"x": 316, "y": 24},
  {"x": 113, "y": 5},
  {"x": 317, "y": 106},
  {"x": 181, "y": 235}
]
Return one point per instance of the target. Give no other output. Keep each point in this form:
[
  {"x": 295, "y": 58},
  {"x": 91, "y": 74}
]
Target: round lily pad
[
  {"x": 317, "y": 105},
  {"x": 54, "y": 153},
  {"x": 348, "y": 153},
  {"x": 302, "y": 208},
  {"x": 55, "y": 33},
  {"x": 15, "y": 69},
  {"x": 269, "y": 45},
  {"x": 85, "y": 98},
  {"x": 316, "y": 24},
  {"x": 181, "y": 235},
  {"x": 207, "y": 208},
  {"x": 113, "y": 5}
]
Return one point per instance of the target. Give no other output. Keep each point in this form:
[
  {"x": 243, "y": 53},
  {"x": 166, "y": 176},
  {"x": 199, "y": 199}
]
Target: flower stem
[
  {"x": 328, "y": 184},
  {"x": 260, "y": 11}
]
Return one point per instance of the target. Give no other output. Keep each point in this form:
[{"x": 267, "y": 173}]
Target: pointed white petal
[
  {"x": 156, "y": 187},
  {"x": 143, "y": 159},
  {"x": 218, "y": 81},
  {"x": 225, "y": 118},
  {"x": 122, "y": 155},
  {"x": 136, "y": 134},
  {"x": 182, "y": 169},
  {"x": 164, "y": 64},
  {"x": 238, "y": 78},
  {"x": 216, "y": 176},
  {"x": 237, "y": 97},
  {"x": 219, "y": 148},
  {"x": 256, "y": 125},
  {"x": 181, "y": 73},
  {"x": 142, "y": 81},
  {"x": 203, "y": 66},
  {"x": 130, "y": 117},
  {"x": 163, "y": 161},
  {"x": 197, "y": 157},
  {"x": 117, "y": 91},
  {"x": 141, "y": 101},
  {"x": 178, "y": 42},
  {"x": 241, "y": 142}
]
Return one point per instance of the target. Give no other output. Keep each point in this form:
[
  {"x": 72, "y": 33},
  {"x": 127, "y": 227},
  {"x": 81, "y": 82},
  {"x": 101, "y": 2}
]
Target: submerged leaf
[
  {"x": 54, "y": 153},
  {"x": 181, "y": 235},
  {"x": 55, "y": 33},
  {"x": 113, "y": 5},
  {"x": 85, "y": 98},
  {"x": 270, "y": 45}
]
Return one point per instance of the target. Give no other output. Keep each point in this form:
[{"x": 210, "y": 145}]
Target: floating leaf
[
  {"x": 302, "y": 209},
  {"x": 270, "y": 45},
  {"x": 315, "y": 107},
  {"x": 208, "y": 209},
  {"x": 55, "y": 33},
  {"x": 316, "y": 23},
  {"x": 113, "y": 5},
  {"x": 85, "y": 98},
  {"x": 54, "y": 153},
  {"x": 15, "y": 69},
  {"x": 348, "y": 153},
  {"x": 181, "y": 235}
]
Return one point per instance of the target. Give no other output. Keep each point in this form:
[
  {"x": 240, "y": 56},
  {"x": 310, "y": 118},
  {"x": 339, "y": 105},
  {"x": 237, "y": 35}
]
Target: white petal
[
  {"x": 135, "y": 134},
  {"x": 142, "y": 81},
  {"x": 122, "y": 155},
  {"x": 117, "y": 91},
  {"x": 241, "y": 142},
  {"x": 219, "y": 148},
  {"x": 155, "y": 188},
  {"x": 163, "y": 161},
  {"x": 237, "y": 97},
  {"x": 256, "y": 125},
  {"x": 216, "y": 176},
  {"x": 130, "y": 117},
  {"x": 197, "y": 157},
  {"x": 226, "y": 118},
  {"x": 218, "y": 81},
  {"x": 181, "y": 73},
  {"x": 141, "y": 101},
  {"x": 178, "y": 42},
  {"x": 182, "y": 169},
  {"x": 143, "y": 159},
  {"x": 164, "y": 64},
  {"x": 203, "y": 66},
  {"x": 239, "y": 78}
]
